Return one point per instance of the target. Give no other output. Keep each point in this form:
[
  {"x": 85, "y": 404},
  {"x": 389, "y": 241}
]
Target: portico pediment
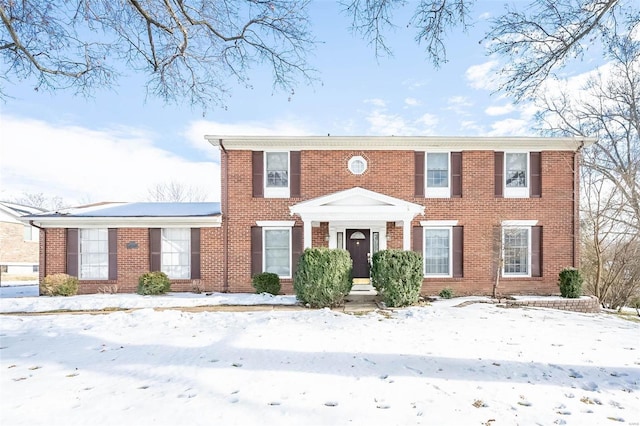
[{"x": 356, "y": 204}]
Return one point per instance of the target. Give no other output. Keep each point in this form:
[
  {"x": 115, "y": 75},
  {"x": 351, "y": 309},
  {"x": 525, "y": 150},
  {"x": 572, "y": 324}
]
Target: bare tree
[
  {"x": 173, "y": 191},
  {"x": 535, "y": 38},
  {"x": 41, "y": 201},
  {"x": 188, "y": 48}
]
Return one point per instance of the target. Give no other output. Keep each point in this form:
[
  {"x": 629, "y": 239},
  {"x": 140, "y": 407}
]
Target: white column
[
  {"x": 307, "y": 234},
  {"x": 406, "y": 234}
]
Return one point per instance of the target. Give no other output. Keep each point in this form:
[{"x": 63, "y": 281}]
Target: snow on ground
[{"x": 436, "y": 365}]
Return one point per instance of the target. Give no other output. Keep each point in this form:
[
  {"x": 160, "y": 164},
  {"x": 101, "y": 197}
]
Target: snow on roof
[
  {"x": 19, "y": 209},
  {"x": 152, "y": 209}
]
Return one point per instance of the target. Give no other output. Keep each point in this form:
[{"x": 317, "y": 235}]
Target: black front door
[{"x": 358, "y": 246}]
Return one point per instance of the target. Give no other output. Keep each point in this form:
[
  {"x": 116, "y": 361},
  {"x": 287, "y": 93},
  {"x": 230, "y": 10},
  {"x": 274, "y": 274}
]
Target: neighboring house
[
  {"x": 18, "y": 241},
  {"x": 475, "y": 207}
]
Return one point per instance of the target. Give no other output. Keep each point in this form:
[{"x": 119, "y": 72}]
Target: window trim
[
  {"x": 439, "y": 192},
  {"x": 435, "y": 226},
  {"x": 516, "y": 225},
  {"x": 81, "y": 252},
  {"x": 269, "y": 192},
  {"x": 162, "y": 252},
  {"x": 517, "y": 192},
  {"x": 353, "y": 160},
  {"x": 264, "y": 251}
]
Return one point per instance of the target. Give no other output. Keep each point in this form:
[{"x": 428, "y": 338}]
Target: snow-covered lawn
[{"x": 435, "y": 365}]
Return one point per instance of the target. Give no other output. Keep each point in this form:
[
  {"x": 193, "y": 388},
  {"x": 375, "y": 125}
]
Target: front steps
[{"x": 363, "y": 287}]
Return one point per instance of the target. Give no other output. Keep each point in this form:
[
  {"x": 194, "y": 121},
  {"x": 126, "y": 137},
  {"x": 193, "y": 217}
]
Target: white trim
[
  {"x": 276, "y": 192},
  {"x": 437, "y": 192},
  {"x": 520, "y": 191},
  {"x": 276, "y": 223},
  {"x": 529, "y": 266},
  {"x": 424, "y": 249},
  {"x": 353, "y": 160},
  {"x": 129, "y": 222},
  {"x": 518, "y": 223},
  {"x": 438, "y": 223},
  {"x": 398, "y": 143},
  {"x": 264, "y": 252}
]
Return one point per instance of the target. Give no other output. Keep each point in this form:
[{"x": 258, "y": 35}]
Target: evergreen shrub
[
  {"x": 59, "y": 285},
  {"x": 570, "y": 282},
  {"x": 152, "y": 283},
  {"x": 323, "y": 277},
  {"x": 397, "y": 276},
  {"x": 266, "y": 282},
  {"x": 446, "y": 293}
]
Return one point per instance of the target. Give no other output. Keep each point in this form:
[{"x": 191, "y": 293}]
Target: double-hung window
[
  {"x": 517, "y": 251},
  {"x": 176, "y": 252},
  {"x": 437, "y": 251},
  {"x": 276, "y": 176},
  {"x": 516, "y": 174},
  {"x": 93, "y": 254},
  {"x": 277, "y": 251},
  {"x": 437, "y": 175}
]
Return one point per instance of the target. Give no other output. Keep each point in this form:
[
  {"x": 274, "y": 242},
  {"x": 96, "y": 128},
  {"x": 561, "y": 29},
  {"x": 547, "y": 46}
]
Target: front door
[{"x": 358, "y": 246}]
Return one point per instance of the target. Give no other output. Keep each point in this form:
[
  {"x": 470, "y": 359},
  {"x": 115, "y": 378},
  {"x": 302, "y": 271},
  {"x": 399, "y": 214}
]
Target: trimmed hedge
[
  {"x": 266, "y": 282},
  {"x": 151, "y": 283},
  {"x": 570, "y": 282},
  {"x": 323, "y": 277},
  {"x": 397, "y": 276},
  {"x": 59, "y": 285}
]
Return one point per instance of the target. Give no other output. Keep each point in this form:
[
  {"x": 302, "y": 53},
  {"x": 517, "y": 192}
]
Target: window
[
  {"x": 36, "y": 268},
  {"x": 437, "y": 181},
  {"x": 276, "y": 174},
  {"x": 277, "y": 251},
  {"x": 357, "y": 165},
  {"x": 437, "y": 251},
  {"x": 516, "y": 172},
  {"x": 30, "y": 233},
  {"x": 517, "y": 249},
  {"x": 176, "y": 252},
  {"x": 93, "y": 254}
]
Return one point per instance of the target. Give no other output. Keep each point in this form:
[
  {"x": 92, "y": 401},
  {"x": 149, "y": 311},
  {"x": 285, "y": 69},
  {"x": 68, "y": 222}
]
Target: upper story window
[
  {"x": 518, "y": 174},
  {"x": 93, "y": 254},
  {"x": 276, "y": 176},
  {"x": 437, "y": 175},
  {"x": 357, "y": 165}
]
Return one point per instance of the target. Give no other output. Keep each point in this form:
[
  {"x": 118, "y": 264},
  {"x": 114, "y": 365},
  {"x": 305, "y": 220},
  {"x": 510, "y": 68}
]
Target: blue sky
[{"x": 119, "y": 143}]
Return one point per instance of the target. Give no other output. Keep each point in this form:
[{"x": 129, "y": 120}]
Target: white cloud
[
  {"x": 386, "y": 124},
  {"x": 511, "y": 127},
  {"x": 483, "y": 76},
  {"x": 484, "y": 16},
  {"x": 499, "y": 110},
  {"x": 459, "y": 105},
  {"x": 380, "y": 103},
  {"x": 412, "y": 102},
  {"x": 77, "y": 163},
  {"x": 429, "y": 121}
]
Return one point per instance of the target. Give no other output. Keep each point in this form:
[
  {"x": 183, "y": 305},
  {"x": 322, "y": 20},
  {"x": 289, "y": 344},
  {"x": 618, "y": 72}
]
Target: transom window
[
  {"x": 176, "y": 252},
  {"x": 437, "y": 174},
  {"x": 93, "y": 254},
  {"x": 277, "y": 251},
  {"x": 437, "y": 251},
  {"x": 516, "y": 245}
]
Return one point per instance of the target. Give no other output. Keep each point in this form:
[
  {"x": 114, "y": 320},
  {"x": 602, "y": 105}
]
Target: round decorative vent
[{"x": 357, "y": 165}]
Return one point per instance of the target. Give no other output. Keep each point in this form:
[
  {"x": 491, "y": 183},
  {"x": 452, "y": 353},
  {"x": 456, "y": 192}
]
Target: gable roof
[
  {"x": 399, "y": 143},
  {"x": 129, "y": 215},
  {"x": 11, "y": 212}
]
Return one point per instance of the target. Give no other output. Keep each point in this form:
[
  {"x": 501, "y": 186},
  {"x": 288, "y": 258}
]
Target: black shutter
[
  {"x": 256, "y": 250},
  {"x": 295, "y": 172},
  {"x": 456, "y": 174},
  {"x": 535, "y": 178},
  {"x": 113, "y": 253},
  {"x": 536, "y": 251},
  {"x": 257, "y": 167},
  {"x": 155, "y": 249},
  {"x": 458, "y": 249},
  {"x": 297, "y": 242},
  {"x": 195, "y": 253},
  {"x": 72, "y": 251},
  {"x": 416, "y": 239},
  {"x": 419, "y": 174},
  {"x": 498, "y": 164}
]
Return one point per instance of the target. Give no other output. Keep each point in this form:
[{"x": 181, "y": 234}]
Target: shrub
[
  {"x": 153, "y": 283},
  {"x": 59, "y": 285},
  {"x": 570, "y": 282},
  {"x": 397, "y": 276},
  {"x": 323, "y": 277},
  {"x": 446, "y": 293},
  {"x": 266, "y": 282}
]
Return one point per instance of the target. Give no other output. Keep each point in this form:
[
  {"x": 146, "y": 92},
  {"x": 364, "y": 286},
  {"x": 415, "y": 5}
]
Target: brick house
[
  {"x": 474, "y": 207},
  {"x": 18, "y": 241}
]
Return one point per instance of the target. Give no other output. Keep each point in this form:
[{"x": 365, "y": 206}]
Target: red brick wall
[
  {"x": 133, "y": 262},
  {"x": 391, "y": 173}
]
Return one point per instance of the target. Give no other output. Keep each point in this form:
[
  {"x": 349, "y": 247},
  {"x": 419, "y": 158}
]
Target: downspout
[
  {"x": 42, "y": 255},
  {"x": 576, "y": 204},
  {"x": 225, "y": 220}
]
